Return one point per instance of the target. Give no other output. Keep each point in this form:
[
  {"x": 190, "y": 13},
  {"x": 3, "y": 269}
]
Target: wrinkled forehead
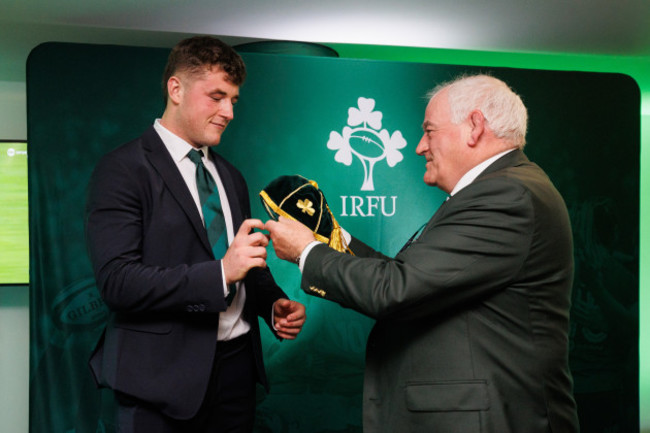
[
  {"x": 439, "y": 98},
  {"x": 437, "y": 109}
]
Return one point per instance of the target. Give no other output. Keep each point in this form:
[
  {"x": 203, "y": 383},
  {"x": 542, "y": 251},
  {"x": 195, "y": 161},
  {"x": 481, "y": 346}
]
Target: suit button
[
  {"x": 188, "y": 308},
  {"x": 201, "y": 307}
]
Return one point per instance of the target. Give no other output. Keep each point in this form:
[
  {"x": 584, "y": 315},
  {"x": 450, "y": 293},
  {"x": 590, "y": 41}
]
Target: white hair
[{"x": 503, "y": 109}]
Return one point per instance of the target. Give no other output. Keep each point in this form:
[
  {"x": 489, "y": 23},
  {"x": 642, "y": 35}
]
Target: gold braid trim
[
  {"x": 315, "y": 185},
  {"x": 269, "y": 203},
  {"x": 336, "y": 240}
]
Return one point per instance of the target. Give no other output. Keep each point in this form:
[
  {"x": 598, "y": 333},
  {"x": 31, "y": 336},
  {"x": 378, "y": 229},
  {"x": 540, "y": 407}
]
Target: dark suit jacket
[
  {"x": 155, "y": 270},
  {"x": 472, "y": 319}
]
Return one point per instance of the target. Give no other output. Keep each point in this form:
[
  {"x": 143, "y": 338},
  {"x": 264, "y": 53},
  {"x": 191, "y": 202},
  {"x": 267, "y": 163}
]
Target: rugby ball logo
[{"x": 364, "y": 138}]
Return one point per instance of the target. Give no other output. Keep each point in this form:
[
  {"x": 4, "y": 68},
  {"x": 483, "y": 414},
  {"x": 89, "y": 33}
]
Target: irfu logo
[{"x": 364, "y": 138}]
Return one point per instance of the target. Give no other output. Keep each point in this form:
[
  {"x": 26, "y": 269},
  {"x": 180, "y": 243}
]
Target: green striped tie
[{"x": 213, "y": 218}]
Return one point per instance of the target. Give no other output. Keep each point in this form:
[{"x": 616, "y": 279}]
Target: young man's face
[{"x": 204, "y": 106}]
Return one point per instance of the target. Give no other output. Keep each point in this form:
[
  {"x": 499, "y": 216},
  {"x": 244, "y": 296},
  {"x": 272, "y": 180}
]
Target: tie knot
[{"x": 195, "y": 156}]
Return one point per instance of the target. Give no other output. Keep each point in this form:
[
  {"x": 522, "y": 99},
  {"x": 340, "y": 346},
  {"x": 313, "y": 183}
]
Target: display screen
[{"x": 14, "y": 217}]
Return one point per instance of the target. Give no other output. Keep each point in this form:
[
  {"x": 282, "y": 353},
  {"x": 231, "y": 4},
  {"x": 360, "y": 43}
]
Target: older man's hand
[{"x": 289, "y": 238}]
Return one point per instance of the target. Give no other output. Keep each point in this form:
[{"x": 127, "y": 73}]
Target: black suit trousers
[{"x": 228, "y": 406}]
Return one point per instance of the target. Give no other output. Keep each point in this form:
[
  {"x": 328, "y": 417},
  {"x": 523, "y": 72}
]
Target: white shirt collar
[
  {"x": 177, "y": 147},
  {"x": 474, "y": 172}
]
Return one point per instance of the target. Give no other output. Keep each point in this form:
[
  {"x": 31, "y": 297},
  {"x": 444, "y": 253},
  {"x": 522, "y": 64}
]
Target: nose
[
  {"x": 422, "y": 146},
  {"x": 227, "y": 110}
]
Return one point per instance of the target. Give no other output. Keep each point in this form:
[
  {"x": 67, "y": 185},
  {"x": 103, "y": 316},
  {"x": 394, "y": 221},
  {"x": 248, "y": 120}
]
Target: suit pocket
[
  {"x": 447, "y": 396},
  {"x": 142, "y": 325}
]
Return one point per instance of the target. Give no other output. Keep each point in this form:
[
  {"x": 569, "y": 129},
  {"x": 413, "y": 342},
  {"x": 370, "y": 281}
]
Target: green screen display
[{"x": 14, "y": 240}]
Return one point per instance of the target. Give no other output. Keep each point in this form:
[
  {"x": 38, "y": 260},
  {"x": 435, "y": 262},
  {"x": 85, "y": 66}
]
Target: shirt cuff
[
  {"x": 226, "y": 290},
  {"x": 347, "y": 236},
  {"x": 305, "y": 253},
  {"x": 303, "y": 256},
  {"x": 273, "y": 318}
]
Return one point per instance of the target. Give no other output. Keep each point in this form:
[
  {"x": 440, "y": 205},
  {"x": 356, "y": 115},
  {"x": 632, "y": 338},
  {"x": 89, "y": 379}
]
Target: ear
[
  {"x": 477, "y": 123},
  {"x": 174, "y": 89}
]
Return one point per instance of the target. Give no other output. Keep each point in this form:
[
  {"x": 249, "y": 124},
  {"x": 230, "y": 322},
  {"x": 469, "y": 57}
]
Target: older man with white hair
[{"x": 472, "y": 315}]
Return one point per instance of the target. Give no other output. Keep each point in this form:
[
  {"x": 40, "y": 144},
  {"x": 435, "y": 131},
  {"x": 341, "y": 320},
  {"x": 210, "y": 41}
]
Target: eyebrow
[{"x": 426, "y": 123}]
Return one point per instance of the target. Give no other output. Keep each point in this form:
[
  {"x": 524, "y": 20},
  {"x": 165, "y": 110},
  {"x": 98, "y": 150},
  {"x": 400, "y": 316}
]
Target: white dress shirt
[
  {"x": 231, "y": 321},
  {"x": 474, "y": 172}
]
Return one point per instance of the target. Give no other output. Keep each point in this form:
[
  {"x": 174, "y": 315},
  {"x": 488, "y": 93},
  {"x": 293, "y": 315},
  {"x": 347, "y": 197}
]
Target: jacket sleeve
[
  {"x": 127, "y": 232},
  {"x": 264, "y": 291},
  {"x": 472, "y": 248},
  {"x": 261, "y": 289}
]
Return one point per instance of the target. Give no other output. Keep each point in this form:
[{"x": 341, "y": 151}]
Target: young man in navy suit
[{"x": 182, "y": 348}]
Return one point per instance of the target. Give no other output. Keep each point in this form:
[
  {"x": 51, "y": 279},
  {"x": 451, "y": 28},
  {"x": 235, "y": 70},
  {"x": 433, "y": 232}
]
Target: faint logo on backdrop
[
  {"x": 79, "y": 307},
  {"x": 70, "y": 398},
  {"x": 364, "y": 138}
]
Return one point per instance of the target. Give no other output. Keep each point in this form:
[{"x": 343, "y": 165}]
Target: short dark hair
[{"x": 194, "y": 54}]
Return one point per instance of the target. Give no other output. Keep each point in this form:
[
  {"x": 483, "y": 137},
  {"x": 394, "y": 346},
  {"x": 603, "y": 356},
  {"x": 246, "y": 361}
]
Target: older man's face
[{"x": 441, "y": 144}]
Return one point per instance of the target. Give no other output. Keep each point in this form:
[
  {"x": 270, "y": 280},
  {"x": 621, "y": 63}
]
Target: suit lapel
[
  {"x": 436, "y": 216},
  {"x": 162, "y": 162},
  {"x": 516, "y": 157}
]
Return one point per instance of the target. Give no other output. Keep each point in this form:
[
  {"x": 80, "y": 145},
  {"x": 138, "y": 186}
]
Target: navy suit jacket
[{"x": 156, "y": 272}]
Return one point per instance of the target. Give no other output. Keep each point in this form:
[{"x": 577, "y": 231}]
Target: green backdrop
[{"x": 84, "y": 100}]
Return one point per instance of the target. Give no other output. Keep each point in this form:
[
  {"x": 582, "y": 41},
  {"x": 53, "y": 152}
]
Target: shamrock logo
[
  {"x": 364, "y": 138},
  {"x": 306, "y": 206}
]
